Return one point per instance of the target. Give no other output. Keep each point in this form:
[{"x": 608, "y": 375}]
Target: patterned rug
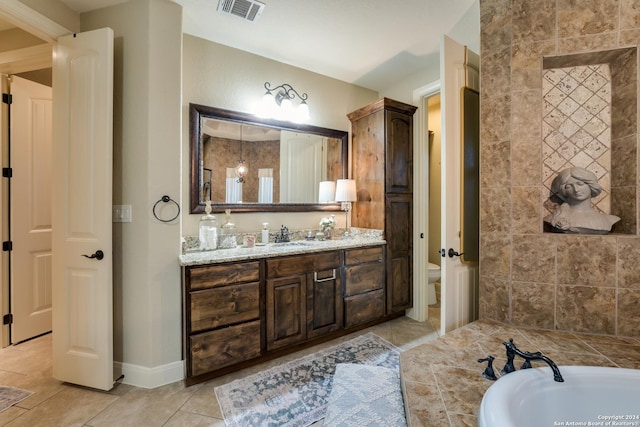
[
  {"x": 9, "y": 396},
  {"x": 296, "y": 393}
]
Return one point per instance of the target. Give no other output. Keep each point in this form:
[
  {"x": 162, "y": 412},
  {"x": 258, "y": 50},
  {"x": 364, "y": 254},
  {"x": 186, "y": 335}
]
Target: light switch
[{"x": 121, "y": 213}]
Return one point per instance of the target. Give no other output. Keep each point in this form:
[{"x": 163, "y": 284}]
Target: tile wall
[
  {"x": 227, "y": 153},
  {"x": 575, "y": 283}
]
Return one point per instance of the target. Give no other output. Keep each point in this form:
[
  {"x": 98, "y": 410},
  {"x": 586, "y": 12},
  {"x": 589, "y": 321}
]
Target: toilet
[{"x": 434, "y": 276}]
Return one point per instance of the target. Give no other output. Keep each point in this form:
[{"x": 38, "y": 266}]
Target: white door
[
  {"x": 302, "y": 166},
  {"x": 30, "y": 208},
  {"x": 82, "y": 187},
  {"x": 459, "y": 280}
]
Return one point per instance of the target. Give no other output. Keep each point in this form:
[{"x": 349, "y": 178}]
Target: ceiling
[{"x": 371, "y": 43}]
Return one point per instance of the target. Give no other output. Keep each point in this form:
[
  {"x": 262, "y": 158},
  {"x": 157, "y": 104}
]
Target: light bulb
[
  {"x": 268, "y": 105},
  {"x": 303, "y": 112}
]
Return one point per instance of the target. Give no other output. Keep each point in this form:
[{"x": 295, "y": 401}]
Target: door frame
[
  {"x": 40, "y": 26},
  {"x": 420, "y": 310}
]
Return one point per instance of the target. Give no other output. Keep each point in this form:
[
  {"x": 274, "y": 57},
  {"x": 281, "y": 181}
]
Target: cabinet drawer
[
  {"x": 220, "y": 275},
  {"x": 363, "y": 308},
  {"x": 226, "y": 305},
  {"x": 364, "y": 278},
  {"x": 302, "y": 264},
  {"x": 358, "y": 256},
  {"x": 223, "y": 347}
]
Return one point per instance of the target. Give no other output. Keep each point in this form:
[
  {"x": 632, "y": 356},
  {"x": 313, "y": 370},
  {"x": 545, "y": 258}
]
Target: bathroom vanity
[{"x": 246, "y": 305}]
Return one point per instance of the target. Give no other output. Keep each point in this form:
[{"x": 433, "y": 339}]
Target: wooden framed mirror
[{"x": 285, "y": 162}]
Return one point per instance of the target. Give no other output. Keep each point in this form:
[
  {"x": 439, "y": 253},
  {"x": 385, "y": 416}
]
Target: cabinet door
[
  {"x": 286, "y": 311},
  {"x": 324, "y": 302},
  {"x": 399, "y": 167},
  {"x": 399, "y": 253}
]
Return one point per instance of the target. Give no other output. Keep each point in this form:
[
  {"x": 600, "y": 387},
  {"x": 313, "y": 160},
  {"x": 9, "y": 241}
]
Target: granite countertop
[{"x": 276, "y": 249}]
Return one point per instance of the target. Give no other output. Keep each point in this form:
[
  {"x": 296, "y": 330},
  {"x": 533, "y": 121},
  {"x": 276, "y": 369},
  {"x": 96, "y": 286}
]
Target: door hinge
[
  {"x": 7, "y": 98},
  {"x": 7, "y": 246},
  {"x": 7, "y": 319},
  {"x": 7, "y": 172}
]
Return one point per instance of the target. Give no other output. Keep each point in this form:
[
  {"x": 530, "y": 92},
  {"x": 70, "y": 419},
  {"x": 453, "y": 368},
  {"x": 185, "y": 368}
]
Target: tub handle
[{"x": 488, "y": 372}]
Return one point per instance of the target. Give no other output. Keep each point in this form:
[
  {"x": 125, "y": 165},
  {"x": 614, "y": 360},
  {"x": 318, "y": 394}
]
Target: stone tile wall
[{"x": 576, "y": 283}]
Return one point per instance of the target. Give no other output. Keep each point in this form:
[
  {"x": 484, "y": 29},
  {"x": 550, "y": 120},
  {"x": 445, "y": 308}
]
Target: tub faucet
[{"x": 512, "y": 350}]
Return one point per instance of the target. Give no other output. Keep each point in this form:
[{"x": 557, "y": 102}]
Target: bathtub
[{"x": 589, "y": 396}]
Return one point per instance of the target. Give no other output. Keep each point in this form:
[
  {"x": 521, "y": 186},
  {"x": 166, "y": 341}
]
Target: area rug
[
  {"x": 296, "y": 393},
  {"x": 9, "y": 396}
]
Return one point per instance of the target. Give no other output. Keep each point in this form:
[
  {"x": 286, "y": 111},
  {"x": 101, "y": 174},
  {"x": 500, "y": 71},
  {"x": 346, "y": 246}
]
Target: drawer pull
[{"x": 315, "y": 277}]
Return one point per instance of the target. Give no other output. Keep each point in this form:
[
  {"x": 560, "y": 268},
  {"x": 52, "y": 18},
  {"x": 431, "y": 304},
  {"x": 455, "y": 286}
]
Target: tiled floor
[{"x": 28, "y": 366}]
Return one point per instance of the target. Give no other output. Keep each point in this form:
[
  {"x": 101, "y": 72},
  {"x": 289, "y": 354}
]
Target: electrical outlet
[{"x": 121, "y": 213}]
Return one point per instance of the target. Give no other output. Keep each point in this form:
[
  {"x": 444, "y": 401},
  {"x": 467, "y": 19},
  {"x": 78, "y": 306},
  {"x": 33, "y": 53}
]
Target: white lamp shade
[
  {"x": 327, "y": 192},
  {"x": 267, "y": 106},
  {"x": 346, "y": 190},
  {"x": 303, "y": 112}
]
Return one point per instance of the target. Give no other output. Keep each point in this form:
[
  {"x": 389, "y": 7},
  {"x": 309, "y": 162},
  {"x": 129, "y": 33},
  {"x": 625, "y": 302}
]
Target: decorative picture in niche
[{"x": 570, "y": 201}]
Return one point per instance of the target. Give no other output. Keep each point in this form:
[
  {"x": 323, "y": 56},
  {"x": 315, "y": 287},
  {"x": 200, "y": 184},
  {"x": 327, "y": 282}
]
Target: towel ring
[{"x": 166, "y": 199}]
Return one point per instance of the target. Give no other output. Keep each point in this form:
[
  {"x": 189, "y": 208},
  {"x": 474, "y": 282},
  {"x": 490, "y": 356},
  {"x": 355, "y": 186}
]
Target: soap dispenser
[
  {"x": 208, "y": 229},
  {"x": 265, "y": 233}
]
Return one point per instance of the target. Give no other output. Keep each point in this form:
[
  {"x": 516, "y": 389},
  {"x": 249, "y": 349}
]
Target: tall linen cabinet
[{"x": 382, "y": 153}]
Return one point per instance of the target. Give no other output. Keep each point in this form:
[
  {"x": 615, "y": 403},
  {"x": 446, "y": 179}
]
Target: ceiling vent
[{"x": 249, "y": 10}]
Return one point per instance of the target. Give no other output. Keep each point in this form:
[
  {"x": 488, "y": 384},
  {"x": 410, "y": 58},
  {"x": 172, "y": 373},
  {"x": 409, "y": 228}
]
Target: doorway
[
  {"x": 26, "y": 269},
  {"x": 458, "y": 275},
  {"x": 434, "y": 259}
]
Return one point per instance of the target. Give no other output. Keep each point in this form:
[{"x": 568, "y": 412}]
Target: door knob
[
  {"x": 453, "y": 253},
  {"x": 97, "y": 255}
]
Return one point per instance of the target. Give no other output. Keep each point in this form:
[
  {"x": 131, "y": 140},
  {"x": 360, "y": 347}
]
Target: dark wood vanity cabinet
[
  {"x": 222, "y": 315},
  {"x": 304, "y": 298},
  {"x": 382, "y": 152},
  {"x": 239, "y": 313},
  {"x": 364, "y": 285}
]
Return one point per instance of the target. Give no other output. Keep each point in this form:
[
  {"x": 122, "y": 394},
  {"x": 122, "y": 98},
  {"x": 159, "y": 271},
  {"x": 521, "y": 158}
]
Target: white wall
[
  {"x": 147, "y": 149},
  {"x": 56, "y": 11},
  {"x": 224, "y": 77},
  {"x": 465, "y": 32}
]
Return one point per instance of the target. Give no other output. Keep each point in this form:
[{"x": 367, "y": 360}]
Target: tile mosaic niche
[
  {"x": 576, "y": 125},
  {"x": 588, "y": 118}
]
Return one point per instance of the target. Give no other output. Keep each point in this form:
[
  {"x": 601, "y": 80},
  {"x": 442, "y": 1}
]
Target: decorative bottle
[
  {"x": 265, "y": 233},
  {"x": 208, "y": 235},
  {"x": 228, "y": 238}
]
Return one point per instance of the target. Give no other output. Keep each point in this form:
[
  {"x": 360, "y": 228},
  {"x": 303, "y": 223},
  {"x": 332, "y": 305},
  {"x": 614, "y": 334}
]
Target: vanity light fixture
[
  {"x": 346, "y": 193},
  {"x": 327, "y": 192},
  {"x": 277, "y": 103}
]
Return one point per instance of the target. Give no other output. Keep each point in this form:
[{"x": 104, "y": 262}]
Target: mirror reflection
[{"x": 248, "y": 164}]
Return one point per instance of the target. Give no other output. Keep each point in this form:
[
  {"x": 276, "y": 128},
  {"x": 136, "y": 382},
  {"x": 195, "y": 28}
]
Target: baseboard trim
[{"x": 141, "y": 376}]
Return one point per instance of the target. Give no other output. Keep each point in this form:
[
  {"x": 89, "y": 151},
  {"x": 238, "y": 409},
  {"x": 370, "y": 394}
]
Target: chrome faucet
[
  {"x": 283, "y": 236},
  {"x": 512, "y": 351}
]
